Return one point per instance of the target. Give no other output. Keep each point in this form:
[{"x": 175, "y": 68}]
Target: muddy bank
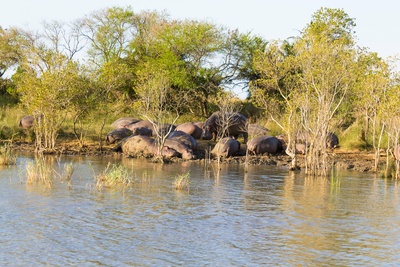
[{"x": 361, "y": 161}]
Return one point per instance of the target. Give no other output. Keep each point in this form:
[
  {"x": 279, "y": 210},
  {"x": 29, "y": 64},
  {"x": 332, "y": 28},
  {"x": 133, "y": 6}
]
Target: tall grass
[
  {"x": 182, "y": 182},
  {"x": 114, "y": 177},
  {"x": 67, "y": 174},
  {"x": 39, "y": 171},
  {"x": 7, "y": 157}
]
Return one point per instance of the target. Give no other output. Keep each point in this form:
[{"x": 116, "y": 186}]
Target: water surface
[{"x": 267, "y": 216}]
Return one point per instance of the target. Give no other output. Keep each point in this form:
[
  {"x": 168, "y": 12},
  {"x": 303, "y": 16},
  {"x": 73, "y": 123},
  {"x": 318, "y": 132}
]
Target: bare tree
[{"x": 153, "y": 90}]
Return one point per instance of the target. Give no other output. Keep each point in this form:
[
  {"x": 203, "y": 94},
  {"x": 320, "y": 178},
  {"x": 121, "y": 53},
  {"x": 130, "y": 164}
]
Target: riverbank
[{"x": 360, "y": 161}]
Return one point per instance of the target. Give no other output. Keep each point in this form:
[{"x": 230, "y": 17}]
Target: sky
[{"x": 378, "y": 22}]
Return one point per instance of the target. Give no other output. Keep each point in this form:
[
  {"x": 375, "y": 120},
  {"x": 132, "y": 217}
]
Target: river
[{"x": 265, "y": 217}]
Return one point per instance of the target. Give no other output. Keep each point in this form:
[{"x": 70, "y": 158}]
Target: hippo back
[
  {"x": 236, "y": 125},
  {"x": 190, "y": 128},
  {"x": 117, "y": 135},
  {"x": 226, "y": 147},
  {"x": 122, "y": 122},
  {"x": 264, "y": 144},
  {"x": 184, "y": 138},
  {"x": 26, "y": 122}
]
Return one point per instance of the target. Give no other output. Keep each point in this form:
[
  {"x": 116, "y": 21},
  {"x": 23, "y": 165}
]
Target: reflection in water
[
  {"x": 266, "y": 216},
  {"x": 341, "y": 225}
]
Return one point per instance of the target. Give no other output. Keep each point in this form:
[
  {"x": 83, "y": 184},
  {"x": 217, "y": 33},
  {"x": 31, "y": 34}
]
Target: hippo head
[
  {"x": 169, "y": 152},
  {"x": 207, "y": 133},
  {"x": 188, "y": 154}
]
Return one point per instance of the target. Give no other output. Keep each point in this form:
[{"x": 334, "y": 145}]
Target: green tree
[
  {"x": 326, "y": 58},
  {"x": 153, "y": 89},
  {"x": 49, "y": 98},
  {"x": 49, "y": 84},
  {"x": 276, "y": 91},
  {"x": 10, "y": 57},
  {"x": 371, "y": 98}
]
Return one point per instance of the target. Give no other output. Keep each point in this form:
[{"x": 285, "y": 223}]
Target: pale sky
[{"x": 378, "y": 22}]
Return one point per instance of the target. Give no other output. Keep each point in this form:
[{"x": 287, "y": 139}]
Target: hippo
[
  {"x": 144, "y": 127},
  {"x": 301, "y": 149},
  {"x": 236, "y": 124},
  {"x": 185, "y": 138},
  {"x": 27, "y": 122},
  {"x": 141, "y": 145},
  {"x": 190, "y": 128},
  {"x": 181, "y": 148},
  {"x": 117, "y": 135},
  {"x": 332, "y": 141},
  {"x": 122, "y": 122},
  {"x": 255, "y": 130},
  {"x": 226, "y": 147},
  {"x": 264, "y": 144},
  {"x": 164, "y": 129}
]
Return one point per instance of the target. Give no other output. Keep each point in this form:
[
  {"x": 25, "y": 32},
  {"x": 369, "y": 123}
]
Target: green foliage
[
  {"x": 10, "y": 49},
  {"x": 50, "y": 97},
  {"x": 352, "y": 139},
  {"x": 150, "y": 66}
]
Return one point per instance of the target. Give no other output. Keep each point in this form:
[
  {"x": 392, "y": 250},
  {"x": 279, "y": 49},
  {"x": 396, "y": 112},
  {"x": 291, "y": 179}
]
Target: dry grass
[
  {"x": 114, "y": 177},
  {"x": 39, "y": 171},
  {"x": 182, "y": 182},
  {"x": 7, "y": 157},
  {"x": 68, "y": 171}
]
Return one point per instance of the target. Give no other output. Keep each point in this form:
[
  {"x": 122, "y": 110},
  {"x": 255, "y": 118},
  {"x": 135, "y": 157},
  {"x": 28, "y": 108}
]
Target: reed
[
  {"x": 39, "y": 171},
  {"x": 68, "y": 171},
  {"x": 335, "y": 181},
  {"x": 146, "y": 179},
  {"x": 7, "y": 157},
  {"x": 182, "y": 182},
  {"x": 114, "y": 177}
]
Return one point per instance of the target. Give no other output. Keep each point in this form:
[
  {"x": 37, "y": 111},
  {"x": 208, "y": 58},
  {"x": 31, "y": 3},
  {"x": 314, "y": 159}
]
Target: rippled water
[{"x": 228, "y": 218}]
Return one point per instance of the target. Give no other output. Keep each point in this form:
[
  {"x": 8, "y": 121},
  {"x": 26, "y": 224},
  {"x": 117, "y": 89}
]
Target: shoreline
[{"x": 360, "y": 161}]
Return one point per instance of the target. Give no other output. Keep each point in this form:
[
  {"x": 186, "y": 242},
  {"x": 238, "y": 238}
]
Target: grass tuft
[
  {"x": 39, "y": 171},
  {"x": 182, "y": 182},
  {"x": 68, "y": 171},
  {"x": 114, "y": 177},
  {"x": 7, "y": 157}
]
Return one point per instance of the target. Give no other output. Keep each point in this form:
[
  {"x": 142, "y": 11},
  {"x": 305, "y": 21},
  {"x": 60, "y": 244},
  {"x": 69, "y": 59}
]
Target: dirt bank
[{"x": 361, "y": 161}]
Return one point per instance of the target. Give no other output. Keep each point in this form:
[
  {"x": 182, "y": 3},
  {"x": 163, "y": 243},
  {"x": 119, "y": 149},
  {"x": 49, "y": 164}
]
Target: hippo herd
[{"x": 135, "y": 137}]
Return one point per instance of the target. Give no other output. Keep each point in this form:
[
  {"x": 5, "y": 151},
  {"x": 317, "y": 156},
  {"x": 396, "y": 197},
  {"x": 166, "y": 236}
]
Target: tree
[
  {"x": 153, "y": 90},
  {"x": 49, "y": 98},
  {"x": 10, "y": 57},
  {"x": 10, "y": 49},
  {"x": 276, "y": 91},
  {"x": 372, "y": 97},
  {"x": 188, "y": 48},
  {"x": 108, "y": 32},
  {"x": 325, "y": 56},
  {"x": 312, "y": 76},
  {"x": 49, "y": 84}
]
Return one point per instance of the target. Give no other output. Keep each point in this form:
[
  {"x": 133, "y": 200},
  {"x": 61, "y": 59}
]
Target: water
[{"x": 228, "y": 218}]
